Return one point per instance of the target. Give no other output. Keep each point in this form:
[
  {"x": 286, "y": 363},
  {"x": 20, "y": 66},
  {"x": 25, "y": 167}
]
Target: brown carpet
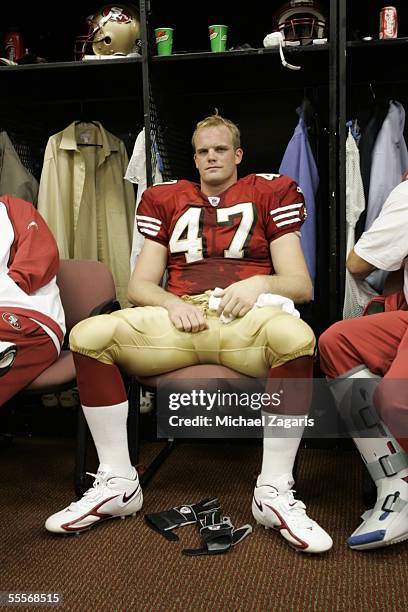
[{"x": 123, "y": 565}]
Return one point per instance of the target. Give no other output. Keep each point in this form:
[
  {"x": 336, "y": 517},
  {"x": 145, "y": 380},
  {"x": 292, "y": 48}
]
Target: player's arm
[
  {"x": 384, "y": 245},
  {"x": 291, "y": 279},
  {"x": 144, "y": 289},
  {"x": 357, "y": 266},
  {"x": 35, "y": 260}
]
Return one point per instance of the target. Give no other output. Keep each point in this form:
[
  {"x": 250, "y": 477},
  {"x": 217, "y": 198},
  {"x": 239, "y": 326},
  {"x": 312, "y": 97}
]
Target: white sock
[
  {"x": 279, "y": 455},
  {"x": 108, "y": 428}
]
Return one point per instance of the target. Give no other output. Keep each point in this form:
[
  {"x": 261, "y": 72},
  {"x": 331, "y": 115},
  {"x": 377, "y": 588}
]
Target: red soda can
[
  {"x": 388, "y": 22},
  {"x": 13, "y": 43}
]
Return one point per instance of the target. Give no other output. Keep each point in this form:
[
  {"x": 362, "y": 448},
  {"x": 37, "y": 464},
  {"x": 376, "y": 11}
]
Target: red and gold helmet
[
  {"x": 301, "y": 20},
  {"x": 113, "y": 30}
]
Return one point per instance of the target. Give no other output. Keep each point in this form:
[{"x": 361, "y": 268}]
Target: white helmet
[{"x": 115, "y": 28}]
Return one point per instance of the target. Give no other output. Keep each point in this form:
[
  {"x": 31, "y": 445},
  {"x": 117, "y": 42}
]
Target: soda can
[
  {"x": 388, "y": 22},
  {"x": 13, "y": 44}
]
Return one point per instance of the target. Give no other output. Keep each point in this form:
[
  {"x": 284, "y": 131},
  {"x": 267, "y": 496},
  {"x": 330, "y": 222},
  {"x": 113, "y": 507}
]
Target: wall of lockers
[{"x": 247, "y": 83}]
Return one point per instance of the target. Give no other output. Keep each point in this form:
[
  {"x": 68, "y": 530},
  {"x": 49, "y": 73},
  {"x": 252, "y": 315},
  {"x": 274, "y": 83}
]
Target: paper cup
[
  {"x": 218, "y": 37},
  {"x": 164, "y": 40}
]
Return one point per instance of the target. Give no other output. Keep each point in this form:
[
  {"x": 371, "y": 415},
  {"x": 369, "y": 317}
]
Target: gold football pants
[{"x": 143, "y": 341}]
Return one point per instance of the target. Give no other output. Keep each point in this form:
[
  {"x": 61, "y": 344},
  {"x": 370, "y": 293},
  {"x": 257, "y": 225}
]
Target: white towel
[{"x": 265, "y": 299}]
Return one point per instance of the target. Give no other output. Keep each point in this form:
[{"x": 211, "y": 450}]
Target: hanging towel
[
  {"x": 136, "y": 173},
  {"x": 357, "y": 292}
]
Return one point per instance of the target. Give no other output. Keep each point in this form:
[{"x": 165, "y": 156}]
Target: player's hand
[
  {"x": 238, "y": 299},
  {"x": 186, "y": 317}
]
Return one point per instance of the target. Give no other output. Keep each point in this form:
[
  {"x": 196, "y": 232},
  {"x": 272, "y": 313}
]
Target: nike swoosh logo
[
  {"x": 258, "y": 504},
  {"x": 126, "y": 498}
]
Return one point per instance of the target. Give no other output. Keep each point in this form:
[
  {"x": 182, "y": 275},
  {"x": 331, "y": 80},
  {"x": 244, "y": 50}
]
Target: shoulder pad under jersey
[
  {"x": 165, "y": 183},
  {"x": 268, "y": 176}
]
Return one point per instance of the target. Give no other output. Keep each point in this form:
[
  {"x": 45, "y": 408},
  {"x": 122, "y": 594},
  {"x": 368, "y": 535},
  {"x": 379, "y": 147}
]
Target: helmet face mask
[
  {"x": 114, "y": 30},
  {"x": 300, "y": 20}
]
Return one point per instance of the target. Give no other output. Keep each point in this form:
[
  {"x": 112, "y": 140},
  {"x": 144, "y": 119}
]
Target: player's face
[{"x": 216, "y": 159}]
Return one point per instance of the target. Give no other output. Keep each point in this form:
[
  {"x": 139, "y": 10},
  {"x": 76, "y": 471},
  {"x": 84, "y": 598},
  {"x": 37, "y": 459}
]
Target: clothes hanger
[
  {"x": 83, "y": 138},
  {"x": 84, "y": 118},
  {"x": 79, "y": 121}
]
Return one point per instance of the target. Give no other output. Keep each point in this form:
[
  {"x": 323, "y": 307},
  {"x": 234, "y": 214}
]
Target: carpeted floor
[{"x": 123, "y": 565}]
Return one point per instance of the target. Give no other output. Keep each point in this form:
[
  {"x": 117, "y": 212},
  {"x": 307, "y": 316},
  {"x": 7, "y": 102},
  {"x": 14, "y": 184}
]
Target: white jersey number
[
  {"x": 187, "y": 233},
  {"x": 236, "y": 249},
  {"x": 185, "y": 237}
]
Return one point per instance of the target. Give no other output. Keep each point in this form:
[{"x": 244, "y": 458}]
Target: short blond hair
[{"x": 217, "y": 121}]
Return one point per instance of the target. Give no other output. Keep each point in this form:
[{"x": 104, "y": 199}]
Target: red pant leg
[
  {"x": 381, "y": 343},
  {"x": 293, "y": 381},
  {"x": 391, "y": 395},
  {"x": 99, "y": 384},
  {"x": 372, "y": 340},
  {"x": 36, "y": 351}
]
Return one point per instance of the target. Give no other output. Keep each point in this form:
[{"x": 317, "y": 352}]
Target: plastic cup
[
  {"x": 164, "y": 40},
  {"x": 218, "y": 37}
]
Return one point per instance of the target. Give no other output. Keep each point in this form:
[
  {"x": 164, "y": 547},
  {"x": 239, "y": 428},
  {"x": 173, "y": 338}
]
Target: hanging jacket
[
  {"x": 366, "y": 147},
  {"x": 85, "y": 200},
  {"x": 298, "y": 163},
  {"x": 389, "y": 162},
  {"x": 15, "y": 179}
]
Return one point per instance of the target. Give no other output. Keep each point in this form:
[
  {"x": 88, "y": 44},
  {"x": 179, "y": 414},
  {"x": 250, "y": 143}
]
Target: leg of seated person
[
  {"x": 372, "y": 340},
  {"x": 273, "y": 503},
  {"x": 272, "y": 344},
  {"x": 127, "y": 339},
  {"x": 141, "y": 341},
  {"x": 375, "y": 343},
  {"x": 264, "y": 338},
  {"x": 35, "y": 353},
  {"x": 116, "y": 491}
]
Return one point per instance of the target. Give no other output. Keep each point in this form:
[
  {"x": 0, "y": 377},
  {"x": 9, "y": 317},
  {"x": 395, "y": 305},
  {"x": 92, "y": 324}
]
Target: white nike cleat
[
  {"x": 277, "y": 509},
  {"x": 109, "y": 497},
  {"x": 8, "y": 352},
  {"x": 387, "y": 522}
]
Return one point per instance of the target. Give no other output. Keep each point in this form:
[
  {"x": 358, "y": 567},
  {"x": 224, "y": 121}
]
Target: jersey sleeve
[
  {"x": 286, "y": 211},
  {"x": 34, "y": 255},
  {"x": 152, "y": 216}
]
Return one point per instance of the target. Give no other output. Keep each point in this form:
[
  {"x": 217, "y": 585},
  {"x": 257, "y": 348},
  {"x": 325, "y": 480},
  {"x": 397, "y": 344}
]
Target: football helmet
[
  {"x": 113, "y": 30},
  {"x": 300, "y": 20}
]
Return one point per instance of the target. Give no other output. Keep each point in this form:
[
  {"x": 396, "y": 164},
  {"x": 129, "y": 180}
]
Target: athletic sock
[
  {"x": 279, "y": 455},
  {"x": 108, "y": 428}
]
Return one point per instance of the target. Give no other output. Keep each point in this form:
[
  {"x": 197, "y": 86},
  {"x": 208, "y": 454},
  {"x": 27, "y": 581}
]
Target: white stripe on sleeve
[
  {"x": 288, "y": 222},
  {"x": 144, "y": 218},
  {"x": 285, "y": 208}
]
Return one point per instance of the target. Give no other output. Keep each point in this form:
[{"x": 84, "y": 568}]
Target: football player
[
  {"x": 32, "y": 323},
  {"x": 241, "y": 235},
  {"x": 376, "y": 347}
]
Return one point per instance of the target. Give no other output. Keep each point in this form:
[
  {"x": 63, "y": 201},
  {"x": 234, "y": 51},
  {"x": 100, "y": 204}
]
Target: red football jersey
[{"x": 215, "y": 241}]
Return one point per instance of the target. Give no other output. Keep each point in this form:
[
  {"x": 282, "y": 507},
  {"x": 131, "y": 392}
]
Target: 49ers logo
[
  {"x": 117, "y": 14},
  {"x": 11, "y": 319}
]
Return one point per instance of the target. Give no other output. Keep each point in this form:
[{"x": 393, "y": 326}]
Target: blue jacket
[{"x": 298, "y": 163}]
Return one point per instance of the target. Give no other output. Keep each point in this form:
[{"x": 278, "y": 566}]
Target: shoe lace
[
  {"x": 93, "y": 493},
  {"x": 297, "y": 510}
]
